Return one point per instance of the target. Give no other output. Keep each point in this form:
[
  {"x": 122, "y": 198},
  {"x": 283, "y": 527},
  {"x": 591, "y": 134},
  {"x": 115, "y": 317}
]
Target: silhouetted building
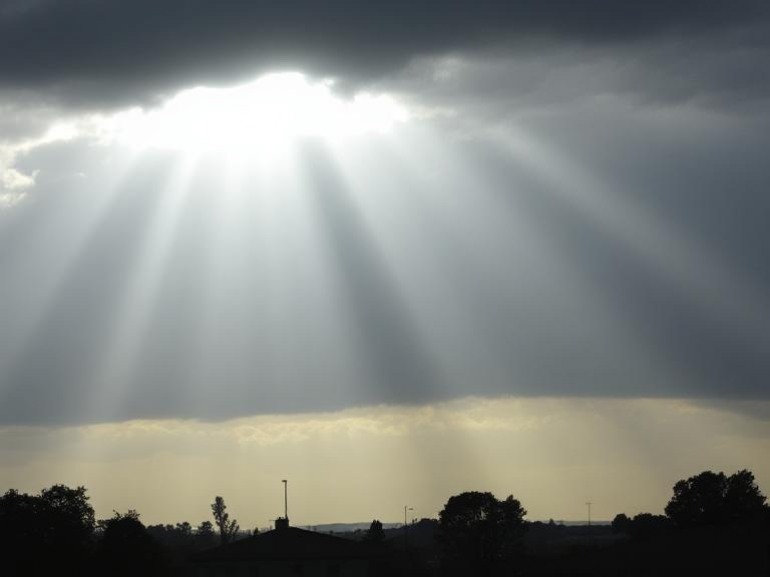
[{"x": 291, "y": 552}]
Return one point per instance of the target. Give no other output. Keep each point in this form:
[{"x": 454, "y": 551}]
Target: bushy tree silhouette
[
  {"x": 642, "y": 526},
  {"x": 713, "y": 498},
  {"x": 743, "y": 499},
  {"x": 227, "y": 528},
  {"x": 178, "y": 541},
  {"x": 72, "y": 508},
  {"x": 57, "y": 524},
  {"x": 621, "y": 523},
  {"x": 127, "y": 548},
  {"x": 647, "y": 526},
  {"x": 479, "y": 532},
  {"x": 375, "y": 534},
  {"x": 204, "y": 535}
]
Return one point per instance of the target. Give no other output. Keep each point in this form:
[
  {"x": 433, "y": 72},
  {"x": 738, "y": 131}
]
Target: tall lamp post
[
  {"x": 588, "y": 504},
  {"x": 406, "y": 530},
  {"x": 286, "y": 499}
]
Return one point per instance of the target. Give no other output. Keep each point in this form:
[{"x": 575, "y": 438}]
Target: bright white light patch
[{"x": 272, "y": 110}]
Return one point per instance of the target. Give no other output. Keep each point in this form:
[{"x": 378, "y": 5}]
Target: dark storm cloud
[
  {"x": 719, "y": 74},
  {"x": 98, "y": 53}
]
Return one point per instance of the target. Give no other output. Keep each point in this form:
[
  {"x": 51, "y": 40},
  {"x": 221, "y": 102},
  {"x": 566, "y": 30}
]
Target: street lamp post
[
  {"x": 406, "y": 530},
  {"x": 286, "y": 499},
  {"x": 589, "y": 512}
]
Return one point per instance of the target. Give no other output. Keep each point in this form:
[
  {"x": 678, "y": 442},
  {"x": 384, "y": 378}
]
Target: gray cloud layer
[
  {"x": 630, "y": 262},
  {"x": 463, "y": 273},
  {"x": 119, "y": 51}
]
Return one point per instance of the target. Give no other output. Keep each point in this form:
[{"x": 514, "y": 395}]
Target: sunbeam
[
  {"x": 389, "y": 342},
  {"x": 112, "y": 375},
  {"x": 721, "y": 292},
  {"x": 54, "y": 231}
]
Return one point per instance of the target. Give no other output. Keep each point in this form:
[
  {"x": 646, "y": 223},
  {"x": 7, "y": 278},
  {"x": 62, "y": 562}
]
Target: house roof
[{"x": 290, "y": 543}]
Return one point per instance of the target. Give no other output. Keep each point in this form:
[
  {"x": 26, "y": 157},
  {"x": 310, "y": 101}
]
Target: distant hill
[
  {"x": 363, "y": 526},
  {"x": 574, "y": 523},
  {"x": 346, "y": 527}
]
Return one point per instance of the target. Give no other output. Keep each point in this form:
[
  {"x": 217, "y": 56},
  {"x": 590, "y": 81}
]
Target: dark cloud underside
[{"x": 88, "y": 51}]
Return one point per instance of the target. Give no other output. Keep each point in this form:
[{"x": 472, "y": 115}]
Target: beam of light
[
  {"x": 111, "y": 379},
  {"x": 398, "y": 360},
  {"x": 391, "y": 343},
  {"x": 721, "y": 292},
  {"x": 386, "y": 258},
  {"x": 262, "y": 258},
  {"x": 401, "y": 210},
  {"x": 456, "y": 238},
  {"x": 56, "y": 231},
  {"x": 257, "y": 117}
]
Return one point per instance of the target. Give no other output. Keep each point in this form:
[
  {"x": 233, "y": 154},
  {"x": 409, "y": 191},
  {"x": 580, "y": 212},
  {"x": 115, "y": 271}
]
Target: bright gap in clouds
[{"x": 271, "y": 111}]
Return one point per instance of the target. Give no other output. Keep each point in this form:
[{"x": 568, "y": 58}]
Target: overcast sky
[{"x": 573, "y": 204}]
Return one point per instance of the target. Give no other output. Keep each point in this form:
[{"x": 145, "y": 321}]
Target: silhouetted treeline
[
  {"x": 56, "y": 532},
  {"x": 714, "y": 524},
  {"x": 642, "y": 526}
]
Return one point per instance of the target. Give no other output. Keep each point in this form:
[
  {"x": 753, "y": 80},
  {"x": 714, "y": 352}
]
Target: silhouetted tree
[
  {"x": 184, "y": 529},
  {"x": 621, "y": 523},
  {"x": 20, "y": 531},
  {"x": 375, "y": 534},
  {"x": 647, "y": 526},
  {"x": 227, "y": 528},
  {"x": 713, "y": 498},
  {"x": 73, "y": 511},
  {"x": 478, "y": 531},
  {"x": 204, "y": 535},
  {"x": 743, "y": 499},
  {"x": 127, "y": 548},
  {"x": 698, "y": 500},
  {"x": 35, "y": 530},
  {"x": 69, "y": 522}
]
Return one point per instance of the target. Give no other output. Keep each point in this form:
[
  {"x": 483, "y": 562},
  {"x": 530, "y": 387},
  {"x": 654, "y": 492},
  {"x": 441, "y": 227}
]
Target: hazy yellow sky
[{"x": 359, "y": 464}]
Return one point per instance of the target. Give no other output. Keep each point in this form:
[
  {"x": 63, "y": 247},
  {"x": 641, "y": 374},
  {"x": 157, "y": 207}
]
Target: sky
[{"x": 388, "y": 252}]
